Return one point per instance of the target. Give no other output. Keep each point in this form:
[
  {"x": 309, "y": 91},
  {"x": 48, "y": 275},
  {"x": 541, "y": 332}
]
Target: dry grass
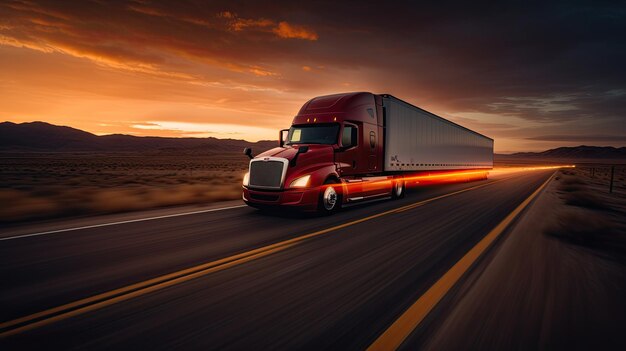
[
  {"x": 588, "y": 215},
  {"x": 581, "y": 228},
  {"x": 569, "y": 183},
  {"x": 585, "y": 198},
  {"x": 34, "y": 186},
  {"x": 576, "y": 192}
]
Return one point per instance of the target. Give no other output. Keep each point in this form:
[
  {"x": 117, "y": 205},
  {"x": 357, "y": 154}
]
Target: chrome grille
[{"x": 267, "y": 172}]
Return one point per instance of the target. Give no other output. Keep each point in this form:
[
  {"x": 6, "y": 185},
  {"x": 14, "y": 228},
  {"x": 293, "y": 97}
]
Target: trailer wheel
[
  {"x": 398, "y": 190},
  {"x": 330, "y": 197}
]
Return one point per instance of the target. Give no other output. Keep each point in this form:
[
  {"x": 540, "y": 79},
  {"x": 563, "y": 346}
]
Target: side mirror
[
  {"x": 282, "y": 137},
  {"x": 248, "y": 152}
]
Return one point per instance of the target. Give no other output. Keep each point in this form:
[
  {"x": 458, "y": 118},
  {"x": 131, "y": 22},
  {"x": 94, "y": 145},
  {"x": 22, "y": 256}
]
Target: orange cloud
[
  {"x": 286, "y": 30},
  {"x": 261, "y": 72},
  {"x": 148, "y": 49},
  {"x": 147, "y": 11},
  {"x": 282, "y": 29},
  {"x": 240, "y": 24}
]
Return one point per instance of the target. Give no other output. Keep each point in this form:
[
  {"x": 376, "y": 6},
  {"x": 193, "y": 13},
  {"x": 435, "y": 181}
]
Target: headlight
[
  {"x": 301, "y": 182},
  {"x": 246, "y": 179}
]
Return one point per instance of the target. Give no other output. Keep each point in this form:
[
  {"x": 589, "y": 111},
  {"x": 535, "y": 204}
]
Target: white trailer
[{"x": 417, "y": 140}]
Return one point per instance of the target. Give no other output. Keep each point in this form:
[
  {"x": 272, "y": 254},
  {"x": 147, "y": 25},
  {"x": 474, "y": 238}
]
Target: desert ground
[{"x": 41, "y": 186}]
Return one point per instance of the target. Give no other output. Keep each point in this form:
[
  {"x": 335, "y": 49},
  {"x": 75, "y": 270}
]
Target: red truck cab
[{"x": 334, "y": 147}]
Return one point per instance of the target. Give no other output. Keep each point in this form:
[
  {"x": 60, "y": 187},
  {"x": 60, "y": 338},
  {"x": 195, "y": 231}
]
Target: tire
[
  {"x": 330, "y": 197},
  {"x": 398, "y": 190}
]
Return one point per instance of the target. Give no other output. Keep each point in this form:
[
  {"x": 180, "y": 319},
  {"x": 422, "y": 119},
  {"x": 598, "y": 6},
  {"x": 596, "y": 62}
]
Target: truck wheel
[
  {"x": 399, "y": 189},
  {"x": 330, "y": 197}
]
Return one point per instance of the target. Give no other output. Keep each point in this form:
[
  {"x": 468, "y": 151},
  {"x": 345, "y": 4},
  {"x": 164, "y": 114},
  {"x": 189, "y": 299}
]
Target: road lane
[
  {"x": 359, "y": 280},
  {"x": 78, "y": 264},
  {"x": 105, "y": 299}
]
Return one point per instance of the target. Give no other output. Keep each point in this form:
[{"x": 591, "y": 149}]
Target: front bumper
[{"x": 300, "y": 199}]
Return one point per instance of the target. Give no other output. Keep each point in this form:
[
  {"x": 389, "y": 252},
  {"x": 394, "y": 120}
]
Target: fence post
[{"x": 612, "y": 174}]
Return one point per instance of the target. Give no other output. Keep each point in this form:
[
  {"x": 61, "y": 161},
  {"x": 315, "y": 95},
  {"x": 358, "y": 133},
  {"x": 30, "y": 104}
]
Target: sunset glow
[{"x": 243, "y": 71}]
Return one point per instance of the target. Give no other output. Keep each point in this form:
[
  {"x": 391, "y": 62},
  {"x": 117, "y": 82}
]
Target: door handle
[{"x": 353, "y": 164}]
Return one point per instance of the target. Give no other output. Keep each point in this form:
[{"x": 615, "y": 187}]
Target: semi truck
[{"x": 343, "y": 149}]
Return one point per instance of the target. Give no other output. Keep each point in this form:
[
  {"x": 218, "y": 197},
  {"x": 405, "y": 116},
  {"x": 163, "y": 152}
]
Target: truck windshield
[{"x": 313, "y": 134}]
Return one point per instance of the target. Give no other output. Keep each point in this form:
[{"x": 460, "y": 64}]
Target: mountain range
[
  {"x": 45, "y": 137},
  {"x": 577, "y": 152}
]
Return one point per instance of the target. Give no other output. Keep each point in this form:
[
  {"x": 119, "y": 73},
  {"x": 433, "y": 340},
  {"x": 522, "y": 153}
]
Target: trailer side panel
[{"x": 417, "y": 140}]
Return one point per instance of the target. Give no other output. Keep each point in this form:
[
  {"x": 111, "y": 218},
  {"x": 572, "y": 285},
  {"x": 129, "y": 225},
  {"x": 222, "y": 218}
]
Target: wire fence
[{"x": 613, "y": 175}]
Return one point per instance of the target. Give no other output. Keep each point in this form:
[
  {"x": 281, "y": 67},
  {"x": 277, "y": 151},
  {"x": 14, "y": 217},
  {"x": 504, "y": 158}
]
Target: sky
[{"x": 530, "y": 75}]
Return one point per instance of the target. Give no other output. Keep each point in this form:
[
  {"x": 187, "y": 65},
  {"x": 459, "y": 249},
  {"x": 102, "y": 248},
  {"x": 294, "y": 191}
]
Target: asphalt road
[{"x": 336, "y": 289}]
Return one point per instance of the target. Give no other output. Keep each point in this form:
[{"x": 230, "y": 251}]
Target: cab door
[
  {"x": 349, "y": 151},
  {"x": 349, "y": 162},
  {"x": 372, "y": 147}
]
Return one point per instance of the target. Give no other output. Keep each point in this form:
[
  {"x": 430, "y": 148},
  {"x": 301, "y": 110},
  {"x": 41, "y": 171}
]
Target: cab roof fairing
[{"x": 338, "y": 108}]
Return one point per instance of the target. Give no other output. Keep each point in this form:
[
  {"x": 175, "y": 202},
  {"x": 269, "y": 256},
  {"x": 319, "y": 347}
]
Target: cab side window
[{"x": 349, "y": 136}]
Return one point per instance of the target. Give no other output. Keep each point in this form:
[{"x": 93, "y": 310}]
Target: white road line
[{"x": 121, "y": 222}]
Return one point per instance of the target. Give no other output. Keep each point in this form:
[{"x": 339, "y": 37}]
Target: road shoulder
[
  {"x": 65, "y": 224},
  {"x": 535, "y": 291}
]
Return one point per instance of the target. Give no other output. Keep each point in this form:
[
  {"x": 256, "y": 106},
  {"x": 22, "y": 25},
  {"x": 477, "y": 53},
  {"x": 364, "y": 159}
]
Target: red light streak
[
  {"x": 441, "y": 177},
  {"x": 438, "y": 177}
]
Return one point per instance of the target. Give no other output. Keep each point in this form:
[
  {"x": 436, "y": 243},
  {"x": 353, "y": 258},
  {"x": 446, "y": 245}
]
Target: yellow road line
[
  {"x": 393, "y": 337},
  {"x": 108, "y": 298},
  {"x": 135, "y": 293}
]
